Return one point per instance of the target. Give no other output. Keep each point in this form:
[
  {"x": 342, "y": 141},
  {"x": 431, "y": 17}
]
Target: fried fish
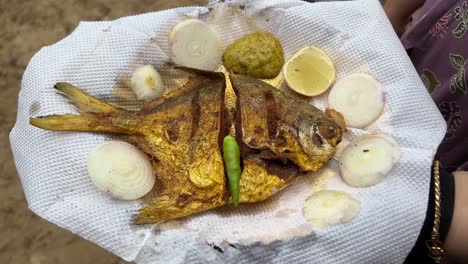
[{"x": 280, "y": 139}]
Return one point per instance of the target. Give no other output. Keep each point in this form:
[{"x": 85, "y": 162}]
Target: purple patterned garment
[{"x": 437, "y": 44}]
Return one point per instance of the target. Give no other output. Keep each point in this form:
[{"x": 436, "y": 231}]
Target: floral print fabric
[{"x": 438, "y": 46}]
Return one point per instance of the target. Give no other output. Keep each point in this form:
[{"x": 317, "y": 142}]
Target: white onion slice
[
  {"x": 121, "y": 170},
  {"x": 326, "y": 208},
  {"x": 196, "y": 44},
  {"x": 366, "y": 160},
  {"x": 359, "y": 98}
]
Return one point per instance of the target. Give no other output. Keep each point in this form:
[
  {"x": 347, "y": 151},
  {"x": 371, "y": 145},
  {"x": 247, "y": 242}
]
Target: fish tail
[
  {"x": 83, "y": 101},
  {"x": 86, "y": 122},
  {"x": 95, "y": 115}
]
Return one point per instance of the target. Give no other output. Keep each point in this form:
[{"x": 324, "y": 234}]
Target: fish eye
[{"x": 327, "y": 131}]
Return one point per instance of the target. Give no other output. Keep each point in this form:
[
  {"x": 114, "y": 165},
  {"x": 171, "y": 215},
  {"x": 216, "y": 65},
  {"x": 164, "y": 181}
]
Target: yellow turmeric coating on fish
[{"x": 182, "y": 134}]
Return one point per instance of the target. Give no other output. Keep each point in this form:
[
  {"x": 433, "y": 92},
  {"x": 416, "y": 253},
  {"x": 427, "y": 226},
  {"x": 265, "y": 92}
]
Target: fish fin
[
  {"x": 83, "y": 101},
  {"x": 203, "y": 73},
  {"x": 168, "y": 207},
  {"x": 197, "y": 80},
  {"x": 86, "y": 122},
  {"x": 192, "y": 84},
  {"x": 258, "y": 184}
]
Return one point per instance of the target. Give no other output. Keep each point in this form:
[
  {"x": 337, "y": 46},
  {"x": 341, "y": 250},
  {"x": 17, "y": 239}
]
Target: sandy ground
[{"x": 26, "y": 27}]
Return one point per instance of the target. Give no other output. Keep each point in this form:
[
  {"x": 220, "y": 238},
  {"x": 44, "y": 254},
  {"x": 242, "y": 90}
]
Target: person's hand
[
  {"x": 400, "y": 11},
  {"x": 457, "y": 239}
]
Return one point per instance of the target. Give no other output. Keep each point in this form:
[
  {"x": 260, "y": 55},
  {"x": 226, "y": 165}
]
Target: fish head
[
  {"x": 321, "y": 132},
  {"x": 318, "y": 136},
  {"x": 311, "y": 143},
  {"x": 289, "y": 129},
  {"x": 328, "y": 131}
]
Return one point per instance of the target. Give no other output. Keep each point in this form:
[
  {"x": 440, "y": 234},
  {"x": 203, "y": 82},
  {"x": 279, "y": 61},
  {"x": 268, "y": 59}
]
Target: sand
[{"x": 26, "y": 27}]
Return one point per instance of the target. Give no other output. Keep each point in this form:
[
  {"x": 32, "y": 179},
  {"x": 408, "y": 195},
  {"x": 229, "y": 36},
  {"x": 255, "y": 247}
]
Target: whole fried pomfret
[{"x": 182, "y": 133}]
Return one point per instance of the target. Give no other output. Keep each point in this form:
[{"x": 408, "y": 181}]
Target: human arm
[
  {"x": 457, "y": 239},
  {"x": 400, "y": 11}
]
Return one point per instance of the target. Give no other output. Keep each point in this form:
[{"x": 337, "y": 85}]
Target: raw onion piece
[
  {"x": 146, "y": 83},
  {"x": 326, "y": 208},
  {"x": 196, "y": 44},
  {"x": 121, "y": 170},
  {"x": 359, "y": 98},
  {"x": 366, "y": 160}
]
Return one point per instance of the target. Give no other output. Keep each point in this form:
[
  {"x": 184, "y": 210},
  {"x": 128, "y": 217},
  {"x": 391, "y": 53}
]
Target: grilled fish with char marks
[{"x": 182, "y": 133}]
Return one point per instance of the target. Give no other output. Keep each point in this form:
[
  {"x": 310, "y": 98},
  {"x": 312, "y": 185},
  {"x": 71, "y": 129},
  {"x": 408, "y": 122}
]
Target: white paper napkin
[{"x": 99, "y": 56}]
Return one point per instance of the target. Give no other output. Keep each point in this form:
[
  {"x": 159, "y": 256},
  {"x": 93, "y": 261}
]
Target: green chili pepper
[{"x": 231, "y": 154}]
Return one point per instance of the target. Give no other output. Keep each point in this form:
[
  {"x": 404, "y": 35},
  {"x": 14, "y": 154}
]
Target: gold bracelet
[{"x": 435, "y": 250}]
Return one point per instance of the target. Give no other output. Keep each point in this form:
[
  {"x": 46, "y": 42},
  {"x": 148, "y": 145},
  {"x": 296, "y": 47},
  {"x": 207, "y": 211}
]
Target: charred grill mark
[
  {"x": 183, "y": 199},
  {"x": 259, "y": 131},
  {"x": 224, "y": 122},
  {"x": 173, "y": 133},
  {"x": 253, "y": 142},
  {"x": 281, "y": 141},
  {"x": 285, "y": 170},
  {"x": 154, "y": 160},
  {"x": 224, "y": 126},
  {"x": 195, "y": 114},
  {"x": 267, "y": 154},
  {"x": 238, "y": 125},
  {"x": 272, "y": 114}
]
